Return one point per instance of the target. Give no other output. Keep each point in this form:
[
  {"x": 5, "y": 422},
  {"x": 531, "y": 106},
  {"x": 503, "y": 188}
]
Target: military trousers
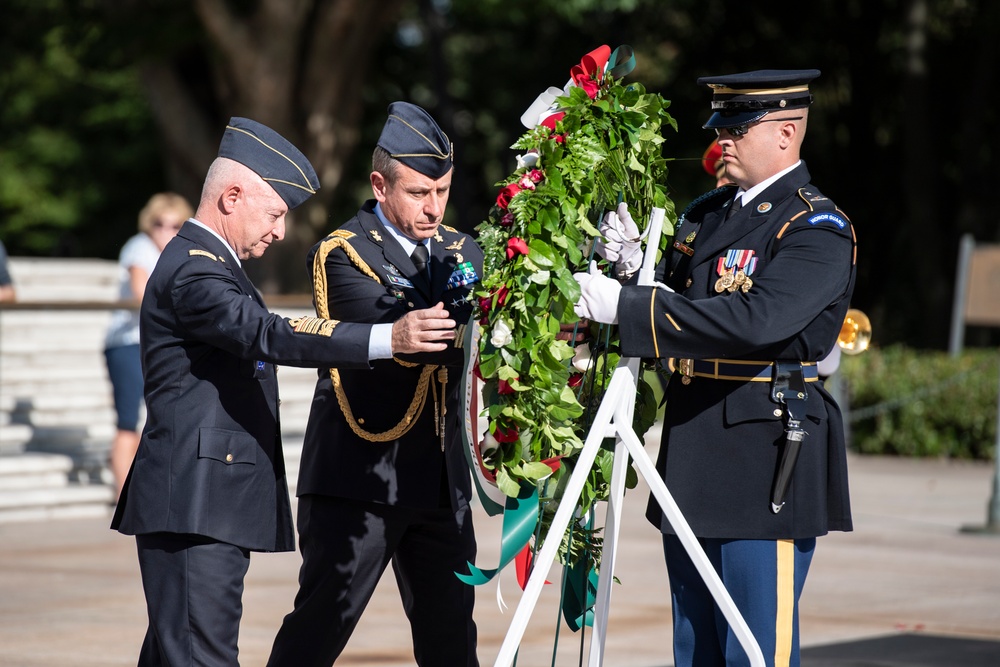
[{"x": 765, "y": 580}]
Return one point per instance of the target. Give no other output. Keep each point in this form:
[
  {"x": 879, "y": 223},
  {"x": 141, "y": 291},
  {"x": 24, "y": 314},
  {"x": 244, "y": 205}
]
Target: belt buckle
[{"x": 686, "y": 367}]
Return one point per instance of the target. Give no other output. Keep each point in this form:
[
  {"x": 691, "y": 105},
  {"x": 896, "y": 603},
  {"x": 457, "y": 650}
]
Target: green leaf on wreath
[
  {"x": 508, "y": 486},
  {"x": 536, "y": 470}
]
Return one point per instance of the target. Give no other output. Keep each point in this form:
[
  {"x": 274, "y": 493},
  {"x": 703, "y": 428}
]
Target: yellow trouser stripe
[
  {"x": 786, "y": 603},
  {"x": 652, "y": 323}
]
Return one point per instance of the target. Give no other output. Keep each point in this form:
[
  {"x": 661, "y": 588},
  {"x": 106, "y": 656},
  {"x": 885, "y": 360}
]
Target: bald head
[{"x": 242, "y": 208}]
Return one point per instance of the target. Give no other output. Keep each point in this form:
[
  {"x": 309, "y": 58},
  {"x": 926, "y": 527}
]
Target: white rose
[
  {"x": 502, "y": 334},
  {"x": 527, "y": 160},
  {"x": 582, "y": 361},
  {"x": 488, "y": 445}
]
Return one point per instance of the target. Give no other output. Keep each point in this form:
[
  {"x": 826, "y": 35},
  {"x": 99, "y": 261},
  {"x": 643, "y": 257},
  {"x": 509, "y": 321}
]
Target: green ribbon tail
[
  {"x": 622, "y": 61},
  {"x": 520, "y": 516},
  {"x": 579, "y": 596}
]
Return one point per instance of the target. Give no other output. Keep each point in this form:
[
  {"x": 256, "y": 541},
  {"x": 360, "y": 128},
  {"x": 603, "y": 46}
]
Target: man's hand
[
  {"x": 598, "y": 296},
  {"x": 426, "y": 330},
  {"x": 619, "y": 242}
]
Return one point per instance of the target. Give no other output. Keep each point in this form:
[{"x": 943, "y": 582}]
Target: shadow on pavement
[{"x": 905, "y": 650}]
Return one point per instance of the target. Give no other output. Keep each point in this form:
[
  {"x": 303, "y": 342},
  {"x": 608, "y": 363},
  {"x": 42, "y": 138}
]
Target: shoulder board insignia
[
  {"x": 450, "y": 229},
  {"x": 313, "y": 325},
  {"x": 833, "y": 218},
  {"x": 202, "y": 253},
  {"x": 814, "y": 200},
  {"x": 343, "y": 233}
]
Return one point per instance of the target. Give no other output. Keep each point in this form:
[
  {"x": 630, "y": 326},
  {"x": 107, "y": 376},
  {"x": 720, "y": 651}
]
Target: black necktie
[
  {"x": 734, "y": 207},
  {"x": 419, "y": 257}
]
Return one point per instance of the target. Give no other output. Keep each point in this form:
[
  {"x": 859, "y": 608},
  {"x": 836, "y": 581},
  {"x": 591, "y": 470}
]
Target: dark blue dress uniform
[
  {"x": 382, "y": 421},
  {"x": 383, "y": 475},
  {"x": 770, "y": 283},
  {"x": 207, "y": 485},
  {"x": 210, "y": 460},
  {"x": 722, "y": 437}
]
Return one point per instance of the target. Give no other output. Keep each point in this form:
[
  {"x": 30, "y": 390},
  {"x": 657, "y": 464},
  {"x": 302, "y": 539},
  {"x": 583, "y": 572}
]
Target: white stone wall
[{"x": 55, "y": 396}]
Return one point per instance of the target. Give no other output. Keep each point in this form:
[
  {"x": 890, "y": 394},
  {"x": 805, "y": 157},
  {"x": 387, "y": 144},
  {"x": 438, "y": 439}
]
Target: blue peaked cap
[
  {"x": 272, "y": 157},
  {"x": 411, "y": 136},
  {"x": 748, "y": 96}
]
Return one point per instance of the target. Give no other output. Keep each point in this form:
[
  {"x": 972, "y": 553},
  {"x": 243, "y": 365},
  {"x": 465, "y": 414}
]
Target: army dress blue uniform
[
  {"x": 376, "y": 438},
  {"x": 800, "y": 288},
  {"x": 773, "y": 282},
  {"x": 758, "y": 282}
]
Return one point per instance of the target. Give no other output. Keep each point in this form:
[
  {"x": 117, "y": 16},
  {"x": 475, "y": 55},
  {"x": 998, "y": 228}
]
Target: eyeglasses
[
  {"x": 740, "y": 130},
  {"x": 159, "y": 224}
]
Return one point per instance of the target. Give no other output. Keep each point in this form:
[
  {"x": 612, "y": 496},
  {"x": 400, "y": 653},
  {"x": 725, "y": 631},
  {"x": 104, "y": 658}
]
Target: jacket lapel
[
  {"x": 392, "y": 252},
  {"x": 726, "y": 234}
]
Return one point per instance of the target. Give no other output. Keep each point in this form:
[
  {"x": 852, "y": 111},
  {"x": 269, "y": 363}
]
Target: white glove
[
  {"x": 830, "y": 364},
  {"x": 598, "y": 296},
  {"x": 619, "y": 242}
]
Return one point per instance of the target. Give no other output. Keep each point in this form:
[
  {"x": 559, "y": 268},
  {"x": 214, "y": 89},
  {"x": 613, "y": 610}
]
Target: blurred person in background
[
  {"x": 7, "y": 292},
  {"x": 714, "y": 165},
  {"x": 159, "y": 221}
]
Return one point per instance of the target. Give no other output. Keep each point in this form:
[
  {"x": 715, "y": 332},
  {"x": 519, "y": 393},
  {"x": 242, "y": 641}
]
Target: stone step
[
  {"x": 67, "y": 502},
  {"x": 34, "y": 470},
  {"x": 36, "y": 486}
]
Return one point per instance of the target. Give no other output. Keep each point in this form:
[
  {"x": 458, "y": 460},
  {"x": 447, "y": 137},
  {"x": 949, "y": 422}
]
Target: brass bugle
[{"x": 855, "y": 332}]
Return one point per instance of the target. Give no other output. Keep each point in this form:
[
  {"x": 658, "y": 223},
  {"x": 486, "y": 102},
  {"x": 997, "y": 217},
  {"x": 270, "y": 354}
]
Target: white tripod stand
[{"x": 614, "y": 419}]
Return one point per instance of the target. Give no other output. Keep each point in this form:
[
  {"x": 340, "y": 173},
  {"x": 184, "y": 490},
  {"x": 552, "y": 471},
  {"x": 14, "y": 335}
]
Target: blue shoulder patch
[{"x": 828, "y": 217}]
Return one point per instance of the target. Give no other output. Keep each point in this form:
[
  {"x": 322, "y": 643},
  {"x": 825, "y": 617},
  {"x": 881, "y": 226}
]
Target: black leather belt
[{"x": 735, "y": 369}]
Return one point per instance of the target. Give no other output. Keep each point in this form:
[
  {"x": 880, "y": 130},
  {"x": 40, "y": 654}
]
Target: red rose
[
  {"x": 486, "y": 302},
  {"x": 536, "y": 175},
  {"x": 559, "y": 138},
  {"x": 478, "y": 372},
  {"x": 508, "y": 192},
  {"x": 516, "y": 246},
  {"x": 590, "y": 71},
  {"x": 505, "y": 434},
  {"x": 504, "y": 388},
  {"x": 575, "y": 380},
  {"x": 507, "y": 220},
  {"x": 526, "y": 183}
]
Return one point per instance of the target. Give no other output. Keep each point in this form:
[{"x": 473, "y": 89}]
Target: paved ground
[{"x": 908, "y": 587}]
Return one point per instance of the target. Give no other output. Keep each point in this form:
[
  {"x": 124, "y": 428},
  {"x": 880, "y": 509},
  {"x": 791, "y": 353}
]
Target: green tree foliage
[
  {"x": 899, "y": 136},
  {"x": 79, "y": 151}
]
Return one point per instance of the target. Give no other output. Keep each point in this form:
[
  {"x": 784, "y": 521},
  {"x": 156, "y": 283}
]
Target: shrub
[{"x": 922, "y": 403}]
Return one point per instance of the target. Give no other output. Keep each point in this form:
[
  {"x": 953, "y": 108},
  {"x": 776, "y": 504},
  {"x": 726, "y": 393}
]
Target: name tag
[{"x": 399, "y": 281}]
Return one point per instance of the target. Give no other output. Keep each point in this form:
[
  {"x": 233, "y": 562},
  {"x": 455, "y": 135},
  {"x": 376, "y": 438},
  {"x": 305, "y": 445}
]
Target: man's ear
[
  {"x": 232, "y": 194},
  {"x": 789, "y": 131},
  {"x": 378, "y": 185}
]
